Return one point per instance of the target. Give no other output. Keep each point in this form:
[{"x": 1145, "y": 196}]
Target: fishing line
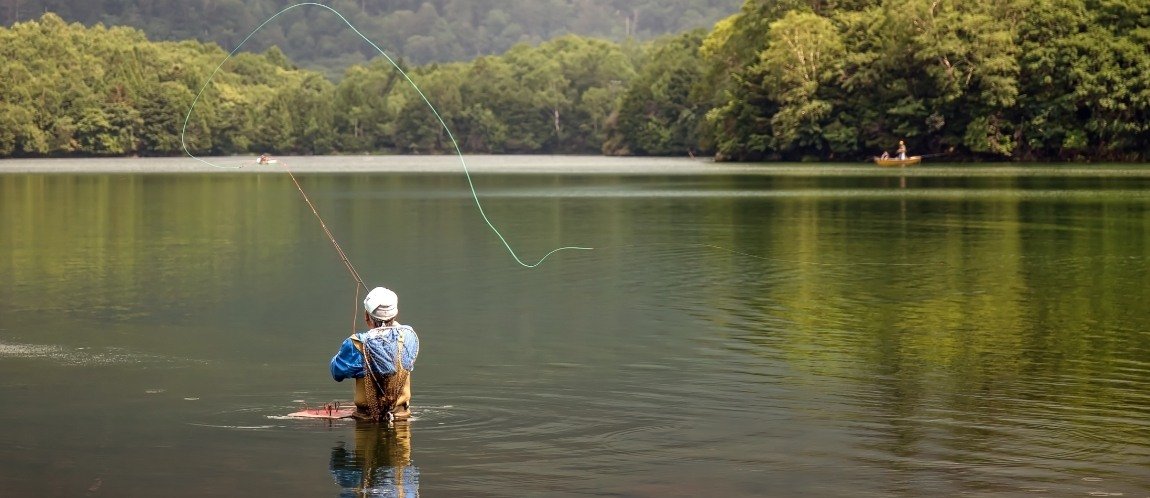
[
  {"x": 812, "y": 263},
  {"x": 442, "y": 122},
  {"x": 458, "y": 152},
  {"x": 758, "y": 257}
]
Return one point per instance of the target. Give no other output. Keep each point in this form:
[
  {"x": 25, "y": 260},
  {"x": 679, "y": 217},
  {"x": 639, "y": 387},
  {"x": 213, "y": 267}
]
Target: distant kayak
[{"x": 894, "y": 161}]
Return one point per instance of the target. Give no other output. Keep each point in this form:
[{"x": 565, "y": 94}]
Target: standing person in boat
[
  {"x": 380, "y": 360},
  {"x": 901, "y": 150}
]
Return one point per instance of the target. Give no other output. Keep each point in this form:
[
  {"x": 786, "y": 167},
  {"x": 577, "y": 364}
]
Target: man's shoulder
[{"x": 382, "y": 332}]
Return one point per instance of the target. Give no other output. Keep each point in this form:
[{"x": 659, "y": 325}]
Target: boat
[{"x": 894, "y": 161}]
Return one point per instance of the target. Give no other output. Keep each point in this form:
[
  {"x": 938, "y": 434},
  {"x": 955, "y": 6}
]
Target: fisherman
[
  {"x": 380, "y": 360},
  {"x": 901, "y": 150}
]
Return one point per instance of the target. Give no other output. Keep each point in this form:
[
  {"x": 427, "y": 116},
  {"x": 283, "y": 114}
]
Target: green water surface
[{"x": 777, "y": 330}]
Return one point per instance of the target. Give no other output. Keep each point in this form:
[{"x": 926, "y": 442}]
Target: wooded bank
[{"x": 1033, "y": 80}]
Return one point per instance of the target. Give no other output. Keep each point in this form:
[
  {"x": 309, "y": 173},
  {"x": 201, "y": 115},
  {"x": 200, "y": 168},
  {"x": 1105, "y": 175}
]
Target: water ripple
[{"x": 88, "y": 356}]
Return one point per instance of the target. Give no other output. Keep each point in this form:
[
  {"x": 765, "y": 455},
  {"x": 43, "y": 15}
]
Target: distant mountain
[{"x": 419, "y": 32}]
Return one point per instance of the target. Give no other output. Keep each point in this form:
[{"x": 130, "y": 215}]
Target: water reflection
[
  {"x": 380, "y": 463},
  {"x": 793, "y": 334}
]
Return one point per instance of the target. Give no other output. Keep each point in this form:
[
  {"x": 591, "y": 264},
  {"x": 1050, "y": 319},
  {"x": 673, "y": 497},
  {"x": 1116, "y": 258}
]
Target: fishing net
[{"x": 384, "y": 391}]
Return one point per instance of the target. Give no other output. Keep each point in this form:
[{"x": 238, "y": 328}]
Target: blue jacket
[{"x": 380, "y": 343}]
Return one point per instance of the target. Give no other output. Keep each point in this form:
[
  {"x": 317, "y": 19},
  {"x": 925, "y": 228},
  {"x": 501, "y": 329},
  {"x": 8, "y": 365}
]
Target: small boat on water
[{"x": 894, "y": 161}]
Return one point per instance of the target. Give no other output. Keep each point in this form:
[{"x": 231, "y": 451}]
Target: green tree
[
  {"x": 576, "y": 68},
  {"x": 967, "y": 51},
  {"x": 416, "y": 128},
  {"x": 164, "y": 105},
  {"x": 737, "y": 122},
  {"x": 658, "y": 113},
  {"x": 361, "y": 106},
  {"x": 803, "y": 54},
  {"x": 312, "y": 113}
]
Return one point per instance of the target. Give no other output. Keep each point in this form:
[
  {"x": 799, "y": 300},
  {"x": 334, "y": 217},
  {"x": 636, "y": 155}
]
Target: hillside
[
  {"x": 1033, "y": 80},
  {"x": 417, "y": 31}
]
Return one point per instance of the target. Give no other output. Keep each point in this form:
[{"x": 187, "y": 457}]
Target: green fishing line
[{"x": 454, "y": 143}]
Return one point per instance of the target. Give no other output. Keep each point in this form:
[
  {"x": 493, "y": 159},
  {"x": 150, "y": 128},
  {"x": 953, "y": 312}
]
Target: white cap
[{"x": 381, "y": 303}]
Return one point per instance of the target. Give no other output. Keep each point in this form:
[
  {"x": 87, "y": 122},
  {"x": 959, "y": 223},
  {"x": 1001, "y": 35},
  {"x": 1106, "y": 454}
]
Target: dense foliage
[
  {"x": 780, "y": 80},
  {"x": 419, "y": 31},
  {"x": 1025, "y": 79}
]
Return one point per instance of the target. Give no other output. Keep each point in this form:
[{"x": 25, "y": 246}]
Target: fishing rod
[
  {"x": 431, "y": 108},
  {"x": 339, "y": 250}
]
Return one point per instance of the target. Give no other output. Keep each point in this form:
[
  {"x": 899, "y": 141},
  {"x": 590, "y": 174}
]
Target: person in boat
[
  {"x": 885, "y": 155},
  {"x": 901, "y": 150},
  {"x": 380, "y": 360},
  {"x": 264, "y": 159}
]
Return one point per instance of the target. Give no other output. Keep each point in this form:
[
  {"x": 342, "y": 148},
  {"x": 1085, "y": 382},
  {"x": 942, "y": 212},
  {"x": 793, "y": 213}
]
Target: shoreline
[
  {"x": 479, "y": 164},
  {"x": 540, "y": 165}
]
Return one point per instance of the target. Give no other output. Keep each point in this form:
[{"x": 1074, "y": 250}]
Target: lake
[{"x": 736, "y": 330}]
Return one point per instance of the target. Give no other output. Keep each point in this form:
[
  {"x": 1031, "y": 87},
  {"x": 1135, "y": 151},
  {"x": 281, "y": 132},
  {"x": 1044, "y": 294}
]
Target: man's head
[{"x": 381, "y": 305}]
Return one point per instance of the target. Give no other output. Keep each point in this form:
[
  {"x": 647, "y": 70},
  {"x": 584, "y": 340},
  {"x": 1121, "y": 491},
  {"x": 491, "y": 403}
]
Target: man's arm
[
  {"x": 348, "y": 363},
  {"x": 411, "y": 348}
]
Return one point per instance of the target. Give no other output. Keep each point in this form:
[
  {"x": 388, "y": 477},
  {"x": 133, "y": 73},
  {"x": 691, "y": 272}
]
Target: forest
[
  {"x": 781, "y": 80},
  {"x": 419, "y": 31}
]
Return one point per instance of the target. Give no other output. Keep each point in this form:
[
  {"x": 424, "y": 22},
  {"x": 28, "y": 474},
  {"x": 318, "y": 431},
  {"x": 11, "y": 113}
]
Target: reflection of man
[
  {"x": 380, "y": 360},
  {"x": 380, "y": 465}
]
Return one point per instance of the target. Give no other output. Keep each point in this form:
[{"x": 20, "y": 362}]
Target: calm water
[{"x": 782, "y": 331}]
